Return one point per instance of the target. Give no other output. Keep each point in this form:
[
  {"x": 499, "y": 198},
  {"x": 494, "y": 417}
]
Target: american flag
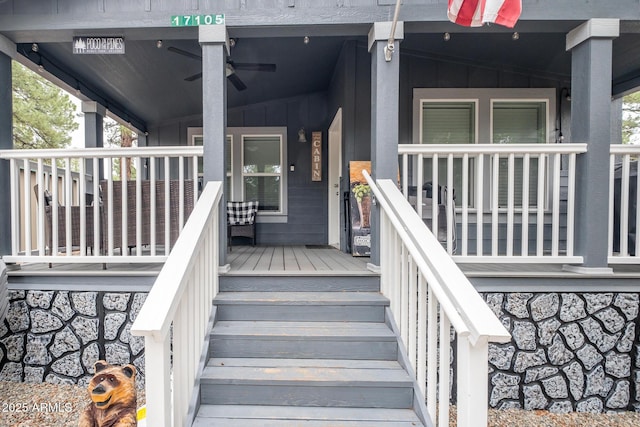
[{"x": 474, "y": 13}]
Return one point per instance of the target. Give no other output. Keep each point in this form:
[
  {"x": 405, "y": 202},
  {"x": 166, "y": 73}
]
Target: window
[
  {"x": 448, "y": 122},
  {"x": 262, "y": 170},
  {"x": 254, "y": 168},
  {"x": 523, "y": 122}
]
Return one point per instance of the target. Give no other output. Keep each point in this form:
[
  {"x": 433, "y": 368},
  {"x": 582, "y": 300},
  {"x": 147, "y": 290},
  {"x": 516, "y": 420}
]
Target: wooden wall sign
[{"x": 316, "y": 156}]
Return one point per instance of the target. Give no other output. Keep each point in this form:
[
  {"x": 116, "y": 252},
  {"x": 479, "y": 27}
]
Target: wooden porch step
[
  {"x": 317, "y": 340},
  {"x": 364, "y": 384},
  {"x": 302, "y": 306},
  {"x": 295, "y": 416},
  {"x": 328, "y": 281}
]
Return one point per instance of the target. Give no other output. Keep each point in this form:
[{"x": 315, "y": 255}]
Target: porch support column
[
  {"x": 213, "y": 39},
  {"x": 591, "y": 46},
  {"x": 7, "y": 51},
  {"x": 94, "y": 114},
  {"x": 385, "y": 86}
]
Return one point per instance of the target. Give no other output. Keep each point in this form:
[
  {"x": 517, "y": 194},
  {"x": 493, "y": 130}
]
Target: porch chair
[{"x": 241, "y": 221}]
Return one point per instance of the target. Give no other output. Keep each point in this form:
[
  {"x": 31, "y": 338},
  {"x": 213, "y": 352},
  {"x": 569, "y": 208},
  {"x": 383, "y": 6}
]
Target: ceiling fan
[{"x": 231, "y": 67}]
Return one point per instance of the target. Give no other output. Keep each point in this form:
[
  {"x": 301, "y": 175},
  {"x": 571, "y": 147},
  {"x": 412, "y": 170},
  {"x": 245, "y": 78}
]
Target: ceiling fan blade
[
  {"x": 184, "y": 53},
  {"x": 235, "y": 81},
  {"x": 254, "y": 66},
  {"x": 194, "y": 77}
]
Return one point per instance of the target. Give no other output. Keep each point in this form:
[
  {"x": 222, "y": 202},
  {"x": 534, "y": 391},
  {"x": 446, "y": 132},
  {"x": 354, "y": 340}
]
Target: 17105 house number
[{"x": 195, "y": 20}]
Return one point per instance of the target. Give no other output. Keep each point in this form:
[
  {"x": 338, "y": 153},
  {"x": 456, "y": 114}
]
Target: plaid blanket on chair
[{"x": 241, "y": 213}]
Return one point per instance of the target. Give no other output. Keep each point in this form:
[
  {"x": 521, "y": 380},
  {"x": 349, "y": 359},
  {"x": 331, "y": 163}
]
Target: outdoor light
[
  {"x": 515, "y": 36},
  {"x": 302, "y": 137},
  {"x": 306, "y": 40},
  {"x": 232, "y": 42},
  {"x": 159, "y": 44},
  {"x": 34, "y": 47},
  {"x": 446, "y": 37}
]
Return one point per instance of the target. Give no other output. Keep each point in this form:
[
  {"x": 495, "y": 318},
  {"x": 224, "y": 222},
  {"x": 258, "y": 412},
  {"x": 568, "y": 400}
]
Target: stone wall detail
[
  {"x": 57, "y": 336},
  {"x": 569, "y": 352}
]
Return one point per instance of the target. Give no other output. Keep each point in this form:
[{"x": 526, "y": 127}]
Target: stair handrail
[
  {"x": 413, "y": 262},
  {"x": 176, "y": 315}
]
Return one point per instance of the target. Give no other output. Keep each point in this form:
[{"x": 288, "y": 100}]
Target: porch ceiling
[{"x": 147, "y": 86}]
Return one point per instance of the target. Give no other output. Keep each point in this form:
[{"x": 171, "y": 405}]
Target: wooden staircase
[{"x": 322, "y": 355}]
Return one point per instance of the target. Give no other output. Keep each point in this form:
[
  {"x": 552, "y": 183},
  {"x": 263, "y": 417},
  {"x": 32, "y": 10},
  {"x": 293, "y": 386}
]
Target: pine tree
[
  {"x": 43, "y": 114},
  {"x": 631, "y": 119}
]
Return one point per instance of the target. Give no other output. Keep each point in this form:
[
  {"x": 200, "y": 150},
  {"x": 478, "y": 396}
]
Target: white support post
[
  {"x": 158, "y": 387},
  {"x": 473, "y": 377}
]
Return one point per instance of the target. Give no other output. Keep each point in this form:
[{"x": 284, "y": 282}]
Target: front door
[{"x": 335, "y": 167}]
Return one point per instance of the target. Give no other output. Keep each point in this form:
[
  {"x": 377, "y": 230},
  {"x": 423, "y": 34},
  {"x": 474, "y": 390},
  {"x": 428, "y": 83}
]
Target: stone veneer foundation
[
  {"x": 57, "y": 336},
  {"x": 569, "y": 352}
]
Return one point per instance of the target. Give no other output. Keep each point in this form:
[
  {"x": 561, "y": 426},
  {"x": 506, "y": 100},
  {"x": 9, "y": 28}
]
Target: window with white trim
[{"x": 255, "y": 159}]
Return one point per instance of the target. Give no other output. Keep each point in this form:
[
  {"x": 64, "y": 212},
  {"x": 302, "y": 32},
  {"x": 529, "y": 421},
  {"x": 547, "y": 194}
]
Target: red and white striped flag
[{"x": 474, "y": 13}]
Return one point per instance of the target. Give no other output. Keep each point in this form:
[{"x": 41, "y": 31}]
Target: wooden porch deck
[{"x": 294, "y": 260}]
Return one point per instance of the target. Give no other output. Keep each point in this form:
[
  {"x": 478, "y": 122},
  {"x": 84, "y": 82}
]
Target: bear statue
[{"x": 113, "y": 397}]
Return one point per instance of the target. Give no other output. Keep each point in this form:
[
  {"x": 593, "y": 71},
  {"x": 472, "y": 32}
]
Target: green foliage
[
  {"x": 631, "y": 119},
  {"x": 361, "y": 191},
  {"x": 43, "y": 114}
]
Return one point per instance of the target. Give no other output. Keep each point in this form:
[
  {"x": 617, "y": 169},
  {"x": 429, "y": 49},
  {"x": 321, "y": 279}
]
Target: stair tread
[
  {"x": 297, "y": 375},
  {"x": 303, "y": 363},
  {"x": 302, "y": 298},
  {"x": 285, "y": 416},
  {"x": 295, "y": 329}
]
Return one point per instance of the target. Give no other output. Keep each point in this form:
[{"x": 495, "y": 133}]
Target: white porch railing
[
  {"x": 79, "y": 230},
  {"x": 176, "y": 316},
  {"x": 522, "y": 194},
  {"x": 624, "y": 198},
  {"x": 429, "y": 294}
]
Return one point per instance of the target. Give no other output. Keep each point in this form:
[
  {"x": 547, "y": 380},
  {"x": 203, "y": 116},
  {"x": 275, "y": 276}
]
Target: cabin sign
[{"x": 316, "y": 156}]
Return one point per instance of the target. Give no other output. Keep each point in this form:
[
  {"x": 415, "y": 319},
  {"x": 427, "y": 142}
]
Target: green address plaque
[{"x": 195, "y": 20}]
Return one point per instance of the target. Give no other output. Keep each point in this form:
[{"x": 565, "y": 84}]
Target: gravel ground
[
  {"x": 43, "y": 405},
  {"x": 49, "y": 405}
]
